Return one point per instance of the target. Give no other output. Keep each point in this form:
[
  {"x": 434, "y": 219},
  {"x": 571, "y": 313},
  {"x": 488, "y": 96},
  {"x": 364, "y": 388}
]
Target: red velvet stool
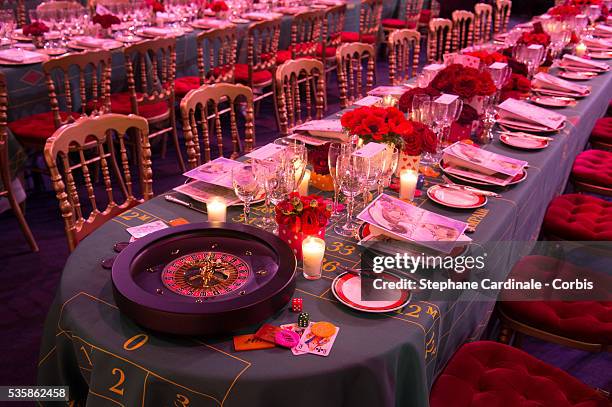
[
  {"x": 601, "y": 136},
  {"x": 585, "y": 325},
  {"x": 490, "y": 374},
  {"x": 578, "y": 217},
  {"x": 592, "y": 172}
]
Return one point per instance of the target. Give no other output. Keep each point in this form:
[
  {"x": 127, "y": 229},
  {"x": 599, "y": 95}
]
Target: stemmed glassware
[
  {"x": 352, "y": 175},
  {"x": 246, "y": 186},
  {"x": 444, "y": 114},
  {"x": 499, "y": 77},
  {"x": 295, "y": 157},
  {"x": 335, "y": 149},
  {"x": 389, "y": 167},
  {"x": 421, "y": 112},
  {"x": 532, "y": 57}
]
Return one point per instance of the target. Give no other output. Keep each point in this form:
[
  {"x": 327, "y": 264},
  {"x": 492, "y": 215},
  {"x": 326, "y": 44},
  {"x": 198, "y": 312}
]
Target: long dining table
[{"x": 388, "y": 359}]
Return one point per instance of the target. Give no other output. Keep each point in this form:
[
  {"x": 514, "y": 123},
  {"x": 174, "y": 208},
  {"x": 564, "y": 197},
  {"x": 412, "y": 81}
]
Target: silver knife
[{"x": 189, "y": 205}]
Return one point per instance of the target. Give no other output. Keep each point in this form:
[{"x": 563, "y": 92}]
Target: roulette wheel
[{"x": 204, "y": 279}]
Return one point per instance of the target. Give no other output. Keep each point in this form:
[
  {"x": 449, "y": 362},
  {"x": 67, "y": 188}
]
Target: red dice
[{"x": 296, "y": 305}]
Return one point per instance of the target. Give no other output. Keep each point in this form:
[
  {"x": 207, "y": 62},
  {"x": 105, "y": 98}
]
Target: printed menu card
[
  {"x": 544, "y": 80},
  {"x": 573, "y": 60},
  {"x": 323, "y": 128},
  {"x": 407, "y": 222},
  {"x": 216, "y": 172},
  {"x": 523, "y": 112},
  {"x": 471, "y": 157}
]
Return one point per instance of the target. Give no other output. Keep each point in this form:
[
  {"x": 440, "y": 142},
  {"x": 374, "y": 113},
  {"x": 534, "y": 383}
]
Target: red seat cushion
[
  {"x": 425, "y": 16},
  {"x": 602, "y": 131},
  {"x": 283, "y": 56},
  {"x": 330, "y": 52},
  {"x": 259, "y": 77},
  {"x": 587, "y": 321},
  {"x": 120, "y": 103},
  {"x": 349, "y": 36},
  {"x": 397, "y": 23},
  {"x": 594, "y": 167},
  {"x": 487, "y": 374},
  {"x": 579, "y": 217},
  {"x": 183, "y": 85},
  {"x": 38, "y": 127}
]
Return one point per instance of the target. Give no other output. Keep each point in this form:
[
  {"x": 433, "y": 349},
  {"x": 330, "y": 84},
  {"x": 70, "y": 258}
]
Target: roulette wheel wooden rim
[{"x": 208, "y": 318}]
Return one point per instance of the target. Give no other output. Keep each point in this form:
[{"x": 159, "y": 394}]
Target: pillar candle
[
  {"x": 408, "y": 182},
  {"x": 217, "y": 210},
  {"x": 581, "y": 49},
  {"x": 313, "y": 249},
  {"x": 303, "y": 188},
  {"x": 388, "y": 101}
]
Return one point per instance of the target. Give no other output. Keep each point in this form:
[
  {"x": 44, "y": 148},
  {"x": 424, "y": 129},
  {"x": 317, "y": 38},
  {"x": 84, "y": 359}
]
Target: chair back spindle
[
  {"x": 439, "y": 39},
  {"x": 217, "y": 55},
  {"x": 354, "y": 80},
  {"x": 463, "y": 29},
  {"x": 404, "y": 49},
  {"x": 483, "y": 14}
]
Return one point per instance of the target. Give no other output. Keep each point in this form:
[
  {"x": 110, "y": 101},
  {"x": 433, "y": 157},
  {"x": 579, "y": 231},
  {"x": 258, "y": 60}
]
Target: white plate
[
  {"x": 347, "y": 289},
  {"x": 456, "y": 198},
  {"x": 524, "y": 143},
  {"x": 576, "y": 76},
  {"x": 553, "y": 101},
  {"x": 552, "y": 92}
]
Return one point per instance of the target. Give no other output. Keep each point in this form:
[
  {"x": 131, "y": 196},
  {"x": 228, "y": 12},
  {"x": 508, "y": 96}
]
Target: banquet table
[{"x": 388, "y": 359}]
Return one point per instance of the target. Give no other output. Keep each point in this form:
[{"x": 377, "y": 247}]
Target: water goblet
[
  {"x": 246, "y": 186},
  {"x": 352, "y": 172}
]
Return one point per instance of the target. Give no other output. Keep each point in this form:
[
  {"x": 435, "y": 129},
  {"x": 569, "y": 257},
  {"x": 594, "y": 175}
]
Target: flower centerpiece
[
  {"x": 156, "y": 7},
  {"x": 488, "y": 58},
  {"x": 564, "y": 11},
  {"x": 517, "y": 87},
  {"x": 106, "y": 21},
  {"x": 37, "y": 31},
  {"x": 389, "y": 125},
  {"x": 318, "y": 158},
  {"x": 301, "y": 216},
  {"x": 219, "y": 8}
]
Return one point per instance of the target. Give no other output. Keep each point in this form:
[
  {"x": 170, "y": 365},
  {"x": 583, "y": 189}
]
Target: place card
[
  {"x": 307, "y": 139},
  {"x": 498, "y": 66},
  {"x": 19, "y": 55},
  {"x": 370, "y": 150},
  {"x": 446, "y": 99},
  {"x": 547, "y": 81},
  {"x": 407, "y": 222},
  {"x": 573, "y": 60},
  {"x": 265, "y": 152},
  {"x": 142, "y": 230},
  {"x": 433, "y": 68},
  {"x": 368, "y": 101},
  {"x": 462, "y": 154},
  {"x": 520, "y": 111},
  {"x": 216, "y": 172}
]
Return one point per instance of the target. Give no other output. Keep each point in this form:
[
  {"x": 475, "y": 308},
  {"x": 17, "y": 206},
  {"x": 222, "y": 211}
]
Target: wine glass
[
  {"x": 451, "y": 114},
  {"x": 593, "y": 12},
  {"x": 390, "y": 165},
  {"x": 266, "y": 171},
  {"x": 246, "y": 186},
  {"x": 417, "y": 104},
  {"x": 438, "y": 113},
  {"x": 352, "y": 173},
  {"x": 335, "y": 149},
  {"x": 377, "y": 166},
  {"x": 296, "y": 157}
]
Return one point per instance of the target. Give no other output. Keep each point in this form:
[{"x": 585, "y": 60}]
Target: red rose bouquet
[
  {"x": 464, "y": 82},
  {"x": 564, "y": 11},
  {"x": 531, "y": 38},
  {"x": 218, "y": 6},
  {"x": 156, "y": 6},
  {"x": 518, "y": 87},
  {"x": 387, "y": 125},
  {"x": 106, "y": 20},
  {"x": 35, "y": 29},
  {"x": 488, "y": 58},
  {"x": 405, "y": 101},
  {"x": 301, "y": 216}
]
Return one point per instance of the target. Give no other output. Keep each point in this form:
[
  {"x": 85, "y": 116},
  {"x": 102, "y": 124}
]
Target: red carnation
[
  {"x": 35, "y": 29},
  {"x": 218, "y": 6},
  {"x": 156, "y": 6},
  {"x": 106, "y": 20}
]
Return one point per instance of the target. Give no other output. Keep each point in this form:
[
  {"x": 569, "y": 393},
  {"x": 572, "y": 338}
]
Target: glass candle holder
[
  {"x": 313, "y": 249},
  {"x": 217, "y": 210}
]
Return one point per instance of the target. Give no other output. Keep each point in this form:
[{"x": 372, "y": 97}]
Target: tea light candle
[
  {"x": 408, "y": 183},
  {"x": 303, "y": 188},
  {"x": 313, "y": 249},
  {"x": 581, "y": 49},
  {"x": 388, "y": 101},
  {"x": 217, "y": 210}
]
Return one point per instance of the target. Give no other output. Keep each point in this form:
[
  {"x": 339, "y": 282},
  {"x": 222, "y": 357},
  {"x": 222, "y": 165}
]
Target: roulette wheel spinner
[{"x": 204, "y": 279}]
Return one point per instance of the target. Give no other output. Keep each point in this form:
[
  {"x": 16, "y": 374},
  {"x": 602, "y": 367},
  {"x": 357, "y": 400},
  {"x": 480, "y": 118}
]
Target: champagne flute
[
  {"x": 265, "y": 171},
  {"x": 335, "y": 149},
  {"x": 390, "y": 165},
  {"x": 246, "y": 186},
  {"x": 352, "y": 172}
]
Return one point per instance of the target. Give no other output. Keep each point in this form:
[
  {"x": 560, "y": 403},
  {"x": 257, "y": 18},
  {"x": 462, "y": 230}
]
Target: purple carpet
[{"x": 28, "y": 281}]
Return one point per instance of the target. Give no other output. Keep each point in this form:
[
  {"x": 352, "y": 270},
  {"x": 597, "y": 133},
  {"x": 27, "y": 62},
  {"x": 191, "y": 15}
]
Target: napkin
[
  {"x": 597, "y": 43},
  {"x": 18, "y": 55},
  {"x": 547, "y": 81},
  {"x": 604, "y": 30},
  {"x": 473, "y": 158},
  {"x": 211, "y": 22},
  {"x": 156, "y": 31},
  {"x": 530, "y": 115},
  {"x": 573, "y": 60},
  {"x": 389, "y": 91},
  {"x": 261, "y": 15}
]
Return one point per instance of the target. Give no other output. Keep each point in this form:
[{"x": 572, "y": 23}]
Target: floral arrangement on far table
[
  {"x": 463, "y": 81},
  {"x": 156, "y": 6},
  {"x": 564, "y": 11},
  {"x": 35, "y": 29},
  {"x": 106, "y": 20},
  {"x": 218, "y": 6},
  {"x": 302, "y": 216},
  {"x": 488, "y": 58}
]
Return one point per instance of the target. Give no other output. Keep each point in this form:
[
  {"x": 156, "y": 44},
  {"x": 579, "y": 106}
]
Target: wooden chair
[
  {"x": 429, "y": 14},
  {"x": 292, "y": 109},
  {"x": 306, "y": 31},
  {"x": 59, "y": 5},
  {"x": 350, "y": 59},
  {"x": 503, "y": 9},
  {"x": 219, "y": 63},
  {"x": 21, "y": 13},
  {"x": 6, "y": 189},
  {"x": 483, "y": 14},
  {"x": 64, "y": 154},
  {"x": 463, "y": 29},
  {"x": 202, "y": 120},
  {"x": 370, "y": 14},
  {"x": 331, "y": 37},
  {"x": 439, "y": 39},
  {"x": 262, "y": 48},
  {"x": 70, "y": 98},
  {"x": 404, "y": 48},
  {"x": 412, "y": 16},
  {"x": 150, "y": 69}
]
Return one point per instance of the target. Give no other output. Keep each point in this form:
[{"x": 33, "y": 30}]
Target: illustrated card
[
  {"x": 217, "y": 172},
  {"x": 142, "y": 230},
  {"x": 471, "y": 157},
  {"x": 250, "y": 342},
  {"x": 204, "y": 192},
  {"x": 266, "y": 332},
  {"x": 311, "y": 343}
]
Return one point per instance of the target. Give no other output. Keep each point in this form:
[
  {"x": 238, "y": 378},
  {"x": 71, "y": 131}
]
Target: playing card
[
  {"x": 295, "y": 328},
  {"x": 142, "y": 230},
  {"x": 310, "y": 343},
  {"x": 267, "y": 332}
]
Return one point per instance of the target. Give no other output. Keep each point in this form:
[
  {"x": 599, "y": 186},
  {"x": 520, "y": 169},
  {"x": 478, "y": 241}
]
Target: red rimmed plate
[
  {"x": 553, "y": 101},
  {"x": 524, "y": 143},
  {"x": 456, "y": 198},
  {"x": 347, "y": 289},
  {"x": 576, "y": 76},
  {"x": 509, "y": 125},
  {"x": 600, "y": 54},
  {"x": 517, "y": 178}
]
